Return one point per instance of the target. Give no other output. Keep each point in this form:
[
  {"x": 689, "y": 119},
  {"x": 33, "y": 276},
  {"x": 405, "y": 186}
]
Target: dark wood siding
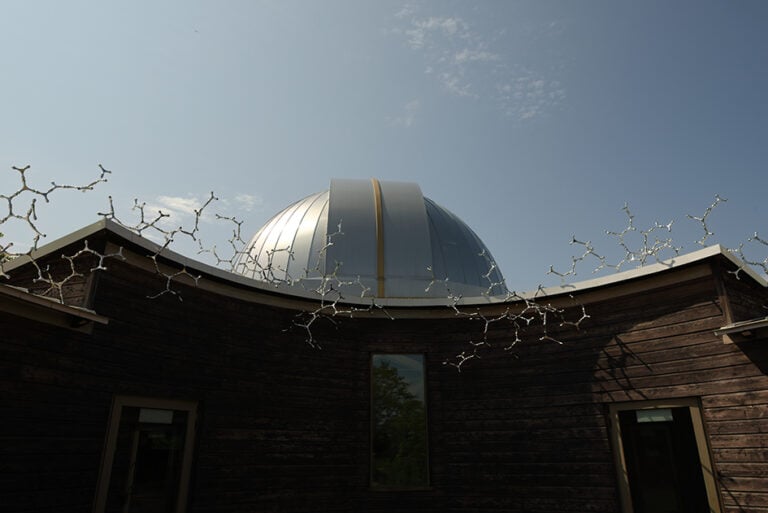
[
  {"x": 53, "y": 413},
  {"x": 747, "y": 300},
  {"x": 284, "y": 427}
]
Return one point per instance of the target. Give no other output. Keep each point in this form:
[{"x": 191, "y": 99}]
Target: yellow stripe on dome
[{"x": 379, "y": 237}]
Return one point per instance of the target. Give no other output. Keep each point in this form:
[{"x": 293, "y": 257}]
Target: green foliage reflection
[
  {"x": 3, "y": 255},
  {"x": 399, "y": 428}
]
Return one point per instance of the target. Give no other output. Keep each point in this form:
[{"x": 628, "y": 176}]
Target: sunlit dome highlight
[{"x": 372, "y": 239}]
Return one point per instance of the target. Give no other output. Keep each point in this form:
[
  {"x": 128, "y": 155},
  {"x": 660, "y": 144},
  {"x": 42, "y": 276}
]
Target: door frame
[
  {"x": 702, "y": 444},
  {"x": 110, "y": 444}
]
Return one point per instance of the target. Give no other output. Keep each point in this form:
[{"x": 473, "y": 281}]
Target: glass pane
[
  {"x": 398, "y": 414},
  {"x": 656, "y": 415}
]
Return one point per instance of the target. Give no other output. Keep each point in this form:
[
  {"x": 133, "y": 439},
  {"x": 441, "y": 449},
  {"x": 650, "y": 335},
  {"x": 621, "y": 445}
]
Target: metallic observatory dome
[{"x": 365, "y": 238}]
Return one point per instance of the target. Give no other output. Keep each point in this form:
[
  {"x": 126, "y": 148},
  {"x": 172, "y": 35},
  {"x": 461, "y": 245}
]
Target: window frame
[
  {"x": 381, "y": 488},
  {"x": 110, "y": 445},
  {"x": 702, "y": 444}
]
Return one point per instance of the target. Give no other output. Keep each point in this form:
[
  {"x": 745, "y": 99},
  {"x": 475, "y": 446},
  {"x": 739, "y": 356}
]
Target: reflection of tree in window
[{"x": 399, "y": 446}]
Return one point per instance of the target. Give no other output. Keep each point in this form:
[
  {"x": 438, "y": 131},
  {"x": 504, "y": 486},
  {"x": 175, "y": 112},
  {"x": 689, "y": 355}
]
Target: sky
[{"x": 532, "y": 121}]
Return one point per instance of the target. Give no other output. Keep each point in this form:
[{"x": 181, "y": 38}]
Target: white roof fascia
[
  {"x": 738, "y": 327},
  {"x": 640, "y": 272}
]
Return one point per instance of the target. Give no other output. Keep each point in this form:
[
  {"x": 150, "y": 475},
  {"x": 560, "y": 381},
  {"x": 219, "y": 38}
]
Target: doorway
[
  {"x": 147, "y": 458},
  {"x": 663, "y": 459}
]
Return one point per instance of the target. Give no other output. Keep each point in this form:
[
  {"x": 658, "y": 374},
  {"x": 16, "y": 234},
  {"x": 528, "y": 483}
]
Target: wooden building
[{"x": 208, "y": 397}]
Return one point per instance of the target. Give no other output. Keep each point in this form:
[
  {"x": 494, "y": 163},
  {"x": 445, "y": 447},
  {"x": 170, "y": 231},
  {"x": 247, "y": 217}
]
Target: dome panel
[
  {"x": 459, "y": 256},
  {"x": 306, "y": 239},
  {"x": 407, "y": 251},
  {"x": 272, "y": 253},
  {"x": 372, "y": 239},
  {"x": 351, "y": 206}
]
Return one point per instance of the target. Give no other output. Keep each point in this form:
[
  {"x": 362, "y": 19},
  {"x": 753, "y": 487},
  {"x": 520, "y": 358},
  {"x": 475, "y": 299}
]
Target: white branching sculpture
[
  {"x": 519, "y": 312},
  {"x": 28, "y": 197}
]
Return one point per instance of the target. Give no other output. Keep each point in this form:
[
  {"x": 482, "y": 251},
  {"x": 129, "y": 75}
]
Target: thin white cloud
[
  {"x": 248, "y": 202},
  {"x": 455, "y": 84},
  {"x": 179, "y": 206},
  {"x": 466, "y": 64},
  {"x": 180, "y": 211},
  {"x": 423, "y": 31},
  {"x": 468, "y": 55},
  {"x": 405, "y": 11},
  {"x": 176, "y": 211},
  {"x": 449, "y": 26},
  {"x": 529, "y": 96},
  {"x": 408, "y": 116}
]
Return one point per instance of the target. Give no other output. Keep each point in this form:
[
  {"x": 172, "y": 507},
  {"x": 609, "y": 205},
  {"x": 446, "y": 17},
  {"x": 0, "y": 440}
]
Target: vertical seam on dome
[
  {"x": 319, "y": 253},
  {"x": 379, "y": 237}
]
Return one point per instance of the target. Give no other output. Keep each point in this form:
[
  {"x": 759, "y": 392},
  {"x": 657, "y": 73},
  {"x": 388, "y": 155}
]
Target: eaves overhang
[
  {"x": 743, "y": 330},
  {"x": 18, "y": 301}
]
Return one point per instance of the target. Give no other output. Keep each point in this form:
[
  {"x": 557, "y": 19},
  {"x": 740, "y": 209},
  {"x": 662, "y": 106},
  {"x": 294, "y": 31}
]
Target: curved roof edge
[
  {"x": 664, "y": 265},
  {"x": 299, "y": 292}
]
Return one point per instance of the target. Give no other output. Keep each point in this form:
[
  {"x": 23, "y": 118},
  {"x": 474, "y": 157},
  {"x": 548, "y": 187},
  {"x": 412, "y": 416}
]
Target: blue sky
[{"x": 533, "y": 121}]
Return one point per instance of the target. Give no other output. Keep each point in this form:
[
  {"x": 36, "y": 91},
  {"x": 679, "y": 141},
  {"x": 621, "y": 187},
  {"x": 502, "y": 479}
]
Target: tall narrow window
[
  {"x": 399, "y": 455},
  {"x": 147, "y": 458},
  {"x": 662, "y": 457}
]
